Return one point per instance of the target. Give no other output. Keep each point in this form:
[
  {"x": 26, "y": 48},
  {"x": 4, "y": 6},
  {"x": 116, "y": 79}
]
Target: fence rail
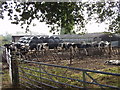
[
  {"x": 85, "y": 72},
  {"x": 79, "y": 69},
  {"x": 33, "y": 72}
]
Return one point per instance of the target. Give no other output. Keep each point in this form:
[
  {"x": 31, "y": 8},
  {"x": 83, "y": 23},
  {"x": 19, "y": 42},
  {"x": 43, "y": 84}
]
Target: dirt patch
[{"x": 92, "y": 64}]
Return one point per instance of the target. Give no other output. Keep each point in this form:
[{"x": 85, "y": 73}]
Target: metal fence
[
  {"x": 33, "y": 70},
  {"x": 41, "y": 75}
]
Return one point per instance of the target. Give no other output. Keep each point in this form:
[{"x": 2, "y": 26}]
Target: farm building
[
  {"x": 88, "y": 37},
  {"x": 106, "y": 37},
  {"x": 15, "y": 38}
]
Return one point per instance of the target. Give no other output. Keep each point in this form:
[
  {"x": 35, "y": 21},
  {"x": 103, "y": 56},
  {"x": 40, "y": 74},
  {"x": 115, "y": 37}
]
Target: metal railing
[
  {"x": 48, "y": 77},
  {"x": 35, "y": 74}
]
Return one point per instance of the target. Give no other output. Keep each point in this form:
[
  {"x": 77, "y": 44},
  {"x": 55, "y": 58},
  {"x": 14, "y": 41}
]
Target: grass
[
  {"x": 107, "y": 79},
  {"x": 6, "y": 80},
  {"x": 112, "y": 80},
  {"x": 101, "y": 78}
]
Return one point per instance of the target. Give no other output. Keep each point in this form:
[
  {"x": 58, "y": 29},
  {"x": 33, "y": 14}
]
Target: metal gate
[
  {"x": 41, "y": 75},
  {"x": 32, "y": 73}
]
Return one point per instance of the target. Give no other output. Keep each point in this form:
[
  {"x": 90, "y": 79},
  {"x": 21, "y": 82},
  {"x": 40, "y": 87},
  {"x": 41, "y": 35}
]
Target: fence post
[
  {"x": 84, "y": 79},
  {"x": 14, "y": 68},
  {"x": 110, "y": 50},
  {"x": 71, "y": 55}
]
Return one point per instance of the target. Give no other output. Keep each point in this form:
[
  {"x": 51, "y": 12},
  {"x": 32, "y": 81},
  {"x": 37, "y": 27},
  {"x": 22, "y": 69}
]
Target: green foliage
[
  {"x": 64, "y": 14},
  {"x": 5, "y": 39},
  {"x": 106, "y": 11},
  {"x": 82, "y": 33},
  {"x": 5, "y": 82},
  {"x": 61, "y": 14}
]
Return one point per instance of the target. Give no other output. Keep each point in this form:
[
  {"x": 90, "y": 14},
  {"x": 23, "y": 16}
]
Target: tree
[
  {"x": 108, "y": 12},
  {"x": 5, "y": 39},
  {"x": 64, "y": 15}
]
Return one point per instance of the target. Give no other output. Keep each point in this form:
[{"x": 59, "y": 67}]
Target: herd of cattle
[
  {"x": 25, "y": 44},
  {"x": 50, "y": 42}
]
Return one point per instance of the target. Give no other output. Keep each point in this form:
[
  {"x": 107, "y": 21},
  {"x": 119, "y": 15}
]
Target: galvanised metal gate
[
  {"x": 32, "y": 74},
  {"x": 41, "y": 75}
]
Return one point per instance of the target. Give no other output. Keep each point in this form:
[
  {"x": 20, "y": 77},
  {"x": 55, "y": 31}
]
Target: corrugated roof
[
  {"x": 87, "y": 35},
  {"x": 73, "y": 36},
  {"x": 27, "y": 35}
]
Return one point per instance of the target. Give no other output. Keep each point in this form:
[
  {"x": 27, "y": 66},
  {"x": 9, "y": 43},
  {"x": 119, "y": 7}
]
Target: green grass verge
[
  {"x": 6, "y": 80},
  {"x": 100, "y": 78}
]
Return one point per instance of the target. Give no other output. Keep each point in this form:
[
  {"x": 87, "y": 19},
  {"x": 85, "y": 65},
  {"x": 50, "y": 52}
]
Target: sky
[
  {"x": 41, "y": 28},
  {"x": 7, "y": 28}
]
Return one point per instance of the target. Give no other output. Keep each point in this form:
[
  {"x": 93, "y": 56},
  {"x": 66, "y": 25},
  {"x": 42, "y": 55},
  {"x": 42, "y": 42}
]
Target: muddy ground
[{"x": 87, "y": 63}]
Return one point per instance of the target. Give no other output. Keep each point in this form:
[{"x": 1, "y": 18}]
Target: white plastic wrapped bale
[{"x": 112, "y": 62}]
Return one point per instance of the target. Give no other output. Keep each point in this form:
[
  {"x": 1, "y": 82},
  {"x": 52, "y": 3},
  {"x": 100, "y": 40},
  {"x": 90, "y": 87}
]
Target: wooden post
[
  {"x": 84, "y": 79},
  {"x": 110, "y": 50},
  {"x": 71, "y": 56},
  {"x": 15, "y": 73}
]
